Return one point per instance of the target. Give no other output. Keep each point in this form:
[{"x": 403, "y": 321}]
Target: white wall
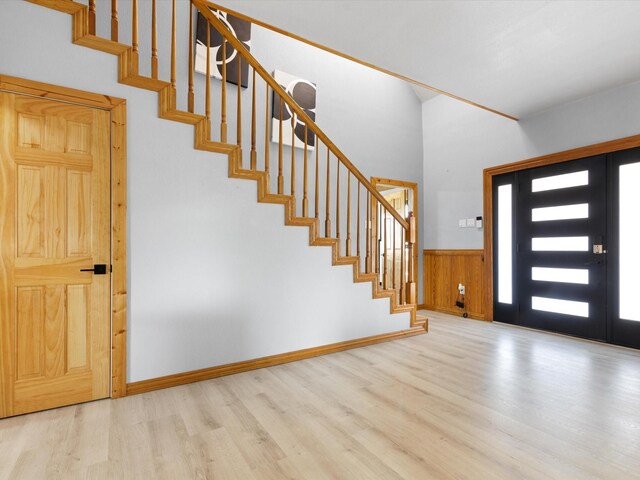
[
  {"x": 460, "y": 141},
  {"x": 214, "y": 277}
]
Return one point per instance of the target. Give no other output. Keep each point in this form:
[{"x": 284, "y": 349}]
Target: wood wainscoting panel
[{"x": 444, "y": 270}]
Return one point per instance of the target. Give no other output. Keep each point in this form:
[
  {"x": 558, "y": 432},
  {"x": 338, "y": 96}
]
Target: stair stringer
[{"x": 167, "y": 109}]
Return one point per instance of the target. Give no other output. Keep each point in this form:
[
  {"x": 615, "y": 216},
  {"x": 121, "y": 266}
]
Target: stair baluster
[
  {"x": 305, "y": 200},
  {"x": 317, "y": 189},
  {"x": 239, "y": 111},
  {"x": 402, "y": 269},
  {"x": 348, "y": 241},
  {"x": 254, "y": 157},
  {"x": 114, "y": 20},
  {"x": 411, "y": 286},
  {"x": 293, "y": 165},
  {"x": 223, "y": 107},
  {"x": 393, "y": 257},
  {"x": 327, "y": 221},
  {"x": 174, "y": 50},
  {"x": 369, "y": 235},
  {"x": 267, "y": 123},
  {"x": 134, "y": 37},
  {"x": 358, "y": 226},
  {"x": 154, "y": 41},
  {"x": 92, "y": 17},
  {"x": 385, "y": 267},
  {"x": 207, "y": 94},
  {"x": 191, "y": 93},
  {"x": 338, "y": 200}
]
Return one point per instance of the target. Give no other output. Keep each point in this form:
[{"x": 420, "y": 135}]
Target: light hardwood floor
[{"x": 468, "y": 400}]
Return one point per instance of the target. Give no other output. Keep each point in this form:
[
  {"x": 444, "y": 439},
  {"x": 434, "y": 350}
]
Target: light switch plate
[
  {"x": 462, "y": 223},
  {"x": 471, "y": 222}
]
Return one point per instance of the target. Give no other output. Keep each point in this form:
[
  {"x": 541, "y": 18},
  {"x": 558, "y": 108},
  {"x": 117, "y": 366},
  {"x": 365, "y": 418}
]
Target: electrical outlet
[{"x": 461, "y": 289}]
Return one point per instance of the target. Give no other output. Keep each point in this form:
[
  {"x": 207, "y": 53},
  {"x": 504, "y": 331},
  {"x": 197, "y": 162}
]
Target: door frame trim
[
  {"x": 414, "y": 187},
  {"x": 118, "y": 110},
  {"x": 487, "y": 183}
]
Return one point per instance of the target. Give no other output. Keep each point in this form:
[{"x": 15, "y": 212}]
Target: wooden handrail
[{"x": 205, "y": 9}]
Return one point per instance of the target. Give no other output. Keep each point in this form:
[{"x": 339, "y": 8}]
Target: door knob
[
  {"x": 598, "y": 249},
  {"x": 98, "y": 269}
]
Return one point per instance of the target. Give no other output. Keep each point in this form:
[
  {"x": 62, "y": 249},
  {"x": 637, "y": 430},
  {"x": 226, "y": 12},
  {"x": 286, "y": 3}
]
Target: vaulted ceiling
[{"x": 517, "y": 57}]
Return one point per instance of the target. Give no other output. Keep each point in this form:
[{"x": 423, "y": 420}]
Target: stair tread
[
  {"x": 278, "y": 195},
  {"x": 147, "y": 83},
  {"x": 102, "y": 44},
  {"x": 302, "y": 221},
  {"x": 213, "y": 146},
  {"x": 182, "y": 116}
]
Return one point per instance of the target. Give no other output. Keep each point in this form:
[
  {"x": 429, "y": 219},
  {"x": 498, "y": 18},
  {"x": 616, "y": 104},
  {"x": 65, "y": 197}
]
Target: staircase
[{"x": 317, "y": 185}]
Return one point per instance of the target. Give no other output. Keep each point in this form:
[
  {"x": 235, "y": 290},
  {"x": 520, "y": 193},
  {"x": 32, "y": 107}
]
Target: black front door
[
  {"x": 561, "y": 227},
  {"x": 566, "y": 243}
]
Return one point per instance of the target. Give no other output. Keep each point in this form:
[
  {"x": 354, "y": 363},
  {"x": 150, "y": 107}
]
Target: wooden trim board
[
  {"x": 63, "y": 94},
  {"x": 119, "y": 251},
  {"x": 117, "y": 108},
  {"x": 488, "y": 174},
  {"x": 244, "y": 366}
]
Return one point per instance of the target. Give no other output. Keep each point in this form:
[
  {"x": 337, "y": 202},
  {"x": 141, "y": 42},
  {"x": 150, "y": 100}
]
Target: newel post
[{"x": 411, "y": 243}]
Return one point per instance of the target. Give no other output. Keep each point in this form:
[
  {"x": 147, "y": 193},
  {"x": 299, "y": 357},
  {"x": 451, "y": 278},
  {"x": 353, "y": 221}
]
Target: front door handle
[
  {"x": 98, "y": 269},
  {"x": 598, "y": 249}
]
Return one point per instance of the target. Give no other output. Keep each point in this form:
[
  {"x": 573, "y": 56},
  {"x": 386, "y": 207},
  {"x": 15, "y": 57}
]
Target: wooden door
[
  {"x": 54, "y": 222},
  {"x": 403, "y": 197},
  {"x": 396, "y": 199}
]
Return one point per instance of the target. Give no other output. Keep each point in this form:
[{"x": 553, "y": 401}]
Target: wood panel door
[
  {"x": 54, "y": 223},
  {"x": 398, "y": 199}
]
